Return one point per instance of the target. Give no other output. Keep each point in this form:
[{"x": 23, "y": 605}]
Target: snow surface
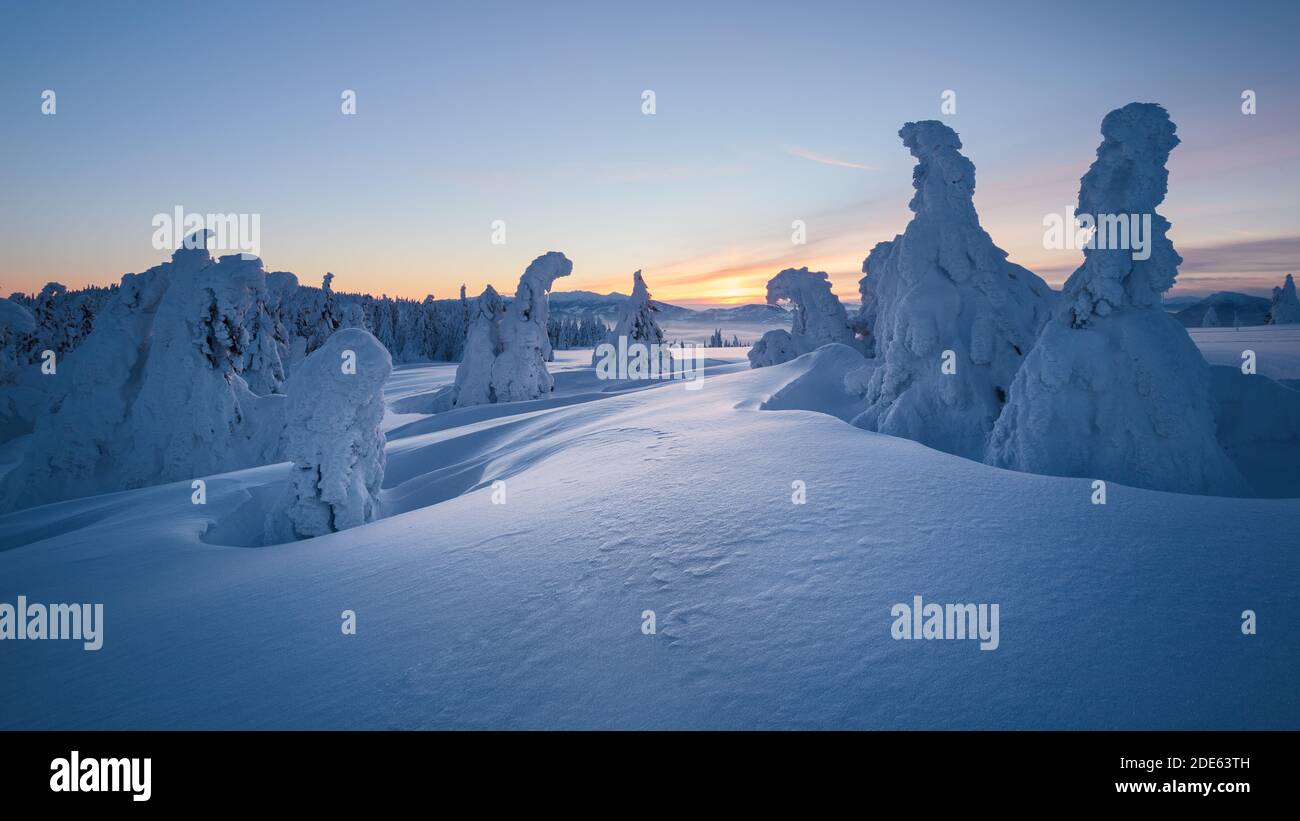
[
  {"x": 627, "y": 498},
  {"x": 1276, "y": 348}
]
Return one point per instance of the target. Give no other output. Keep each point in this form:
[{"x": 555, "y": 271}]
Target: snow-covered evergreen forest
[{"x": 303, "y": 317}]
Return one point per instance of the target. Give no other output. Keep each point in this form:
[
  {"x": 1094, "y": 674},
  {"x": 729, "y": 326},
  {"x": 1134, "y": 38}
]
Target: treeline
[
  {"x": 716, "y": 340},
  {"x": 303, "y": 317}
]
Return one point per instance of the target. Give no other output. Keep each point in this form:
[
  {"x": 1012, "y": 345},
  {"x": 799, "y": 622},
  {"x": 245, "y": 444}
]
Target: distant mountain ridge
[
  {"x": 576, "y": 304},
  {"x": 1230, "y": 308}
]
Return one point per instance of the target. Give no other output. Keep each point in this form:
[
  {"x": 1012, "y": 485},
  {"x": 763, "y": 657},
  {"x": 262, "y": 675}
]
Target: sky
[{"x": 531, "y": 114}]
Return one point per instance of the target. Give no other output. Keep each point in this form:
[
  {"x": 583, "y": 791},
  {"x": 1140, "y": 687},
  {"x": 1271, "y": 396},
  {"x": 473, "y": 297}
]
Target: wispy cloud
[
  {"x": 1250, "y": 266},
  {"x": 1276, "y": 255},
  {"x": 824, "y": 159}
]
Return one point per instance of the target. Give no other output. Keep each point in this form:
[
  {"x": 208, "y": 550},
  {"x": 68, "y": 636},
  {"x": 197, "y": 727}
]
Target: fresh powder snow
[{"x": 768, "y": 613}]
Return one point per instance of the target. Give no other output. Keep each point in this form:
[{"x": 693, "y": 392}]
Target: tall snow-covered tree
[
  {"x": 262, "y": 346},
  {"x": 473, "y": 385},
  {"x": 950, "y": 318},
  {"x": 636, "y": 319},
  {"x": 321, "y": 321},
  {"x": 282, "y": 290},
  {"x": 520, "y": 373},
  {"x": 1114, "y": 388}
]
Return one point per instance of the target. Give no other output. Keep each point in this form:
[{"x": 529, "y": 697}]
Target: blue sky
[{"x": 531, "y": 113}]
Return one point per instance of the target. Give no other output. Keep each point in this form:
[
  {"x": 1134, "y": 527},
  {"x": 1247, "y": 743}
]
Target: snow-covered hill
[
  {"x": 1226, "y": 309},
  {"x": 1174, "y": 304},
  {"x": 621, "y": 500}
]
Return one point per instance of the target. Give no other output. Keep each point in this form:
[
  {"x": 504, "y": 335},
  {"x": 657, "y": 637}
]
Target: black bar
[{"x": 243, "y": 769}]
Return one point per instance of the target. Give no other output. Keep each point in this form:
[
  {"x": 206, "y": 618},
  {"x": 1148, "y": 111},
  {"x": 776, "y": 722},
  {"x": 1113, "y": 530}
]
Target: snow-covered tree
[
  {"x": 353, "y": 316},
  {"x": 320, "y": 321},
  {"x": 263, "y": 344},
  {"x": 636, "y": 319},
  {"x": 773, "y": 348},
  {"x": 817, "y": 318},
  {"x": 590, "y": 331},
  {"x": 452, "y": 327},
  {"x": 197, "y": 350},
  {"x": 53, "y": 317},
  {"x": 950, "y": 318},
  {"x": 156, "y": 393},
  {"x": 520, "y": 373},
  {"x": 1115, "y": 389},
  {"x": 334, "y": 439},
  {"x": 473, "y": 384},
  {"x": 1286, "y": 308},
  {"x": 1211, "y": 318},
  {"x": 281, "y": 290},
  {"x": 420, "y": 333},
  {"x": 18, "y": 404},
  {"x": 383, "y": 323},
  {"x": 16, "y": 325}
]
